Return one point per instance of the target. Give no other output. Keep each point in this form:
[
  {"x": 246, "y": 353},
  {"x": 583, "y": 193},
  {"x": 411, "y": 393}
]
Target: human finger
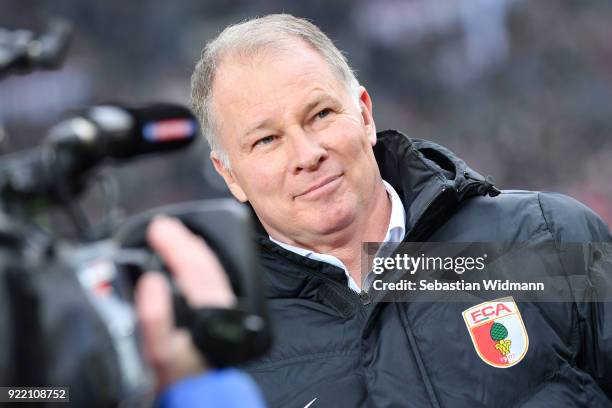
[{"x": 197, "y": 270}]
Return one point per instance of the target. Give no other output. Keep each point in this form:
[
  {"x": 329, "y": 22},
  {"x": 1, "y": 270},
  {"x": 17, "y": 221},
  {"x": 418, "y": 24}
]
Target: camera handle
[{"x": 224, "y": 336}]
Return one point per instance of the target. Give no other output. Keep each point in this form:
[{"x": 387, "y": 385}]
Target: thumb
[{"x": 154, "y": 309}]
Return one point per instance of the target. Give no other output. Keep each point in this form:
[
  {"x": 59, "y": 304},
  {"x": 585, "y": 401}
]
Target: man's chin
[{"x": 331, "y": 225}]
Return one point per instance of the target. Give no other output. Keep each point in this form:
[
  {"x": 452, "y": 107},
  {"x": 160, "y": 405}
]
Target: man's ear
[
  {"x": 228, "y": 177},
  {"x": 365, "y": 104}
]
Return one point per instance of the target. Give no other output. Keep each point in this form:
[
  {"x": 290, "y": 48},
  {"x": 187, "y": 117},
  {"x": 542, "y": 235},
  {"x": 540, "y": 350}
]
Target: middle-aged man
[{"x": 292, "y": 133}]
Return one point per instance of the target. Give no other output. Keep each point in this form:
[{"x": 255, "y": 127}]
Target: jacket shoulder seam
[{"x": 546, "y": 220}]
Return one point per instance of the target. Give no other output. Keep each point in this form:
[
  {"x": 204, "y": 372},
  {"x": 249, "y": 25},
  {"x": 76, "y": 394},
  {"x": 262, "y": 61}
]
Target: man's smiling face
[{"x": 299, "y": 144}]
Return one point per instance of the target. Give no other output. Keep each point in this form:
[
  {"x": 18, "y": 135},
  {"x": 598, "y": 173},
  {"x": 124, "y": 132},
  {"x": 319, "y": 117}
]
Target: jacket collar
[{"x": 430, "y": 180}]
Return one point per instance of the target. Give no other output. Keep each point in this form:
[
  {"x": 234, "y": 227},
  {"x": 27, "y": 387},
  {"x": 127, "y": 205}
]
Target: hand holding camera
[{"x": 169, "y": 349}]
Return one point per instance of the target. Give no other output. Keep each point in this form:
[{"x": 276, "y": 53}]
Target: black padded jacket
[{"x": 336, "y": 348}]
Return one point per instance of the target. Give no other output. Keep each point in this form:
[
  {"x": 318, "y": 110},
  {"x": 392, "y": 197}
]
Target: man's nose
[{"x": 307, "y": 151}]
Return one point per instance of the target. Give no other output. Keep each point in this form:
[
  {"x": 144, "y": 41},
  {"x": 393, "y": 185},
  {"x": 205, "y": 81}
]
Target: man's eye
[
  {"x": 264, "y": 140},
  {"x": 323, "y": 113}
]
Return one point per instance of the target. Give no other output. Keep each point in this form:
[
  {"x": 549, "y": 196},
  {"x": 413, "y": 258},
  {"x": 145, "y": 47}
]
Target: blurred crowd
[{"x": 521, "y": 90}]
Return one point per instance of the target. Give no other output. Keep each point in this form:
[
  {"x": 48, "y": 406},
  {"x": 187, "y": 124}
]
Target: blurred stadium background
[{"x": 522, "y": 90}]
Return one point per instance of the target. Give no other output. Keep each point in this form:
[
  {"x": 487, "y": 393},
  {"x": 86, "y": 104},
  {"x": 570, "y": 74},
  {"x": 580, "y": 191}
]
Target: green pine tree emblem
[{"x": 499, "y": 332}]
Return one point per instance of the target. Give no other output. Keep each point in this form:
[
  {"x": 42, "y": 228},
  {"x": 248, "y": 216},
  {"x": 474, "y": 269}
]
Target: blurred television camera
[{"x": 66, "y": 305}]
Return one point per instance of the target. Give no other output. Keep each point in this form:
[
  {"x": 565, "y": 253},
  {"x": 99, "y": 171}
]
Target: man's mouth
[{"x": 323, "y": 186}]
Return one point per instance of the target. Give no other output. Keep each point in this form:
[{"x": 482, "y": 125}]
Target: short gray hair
[{"x": 246, "y": 38}]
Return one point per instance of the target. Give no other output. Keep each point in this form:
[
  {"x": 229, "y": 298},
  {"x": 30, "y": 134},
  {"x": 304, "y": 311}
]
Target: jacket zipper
[{"x": 362, "y": 298}]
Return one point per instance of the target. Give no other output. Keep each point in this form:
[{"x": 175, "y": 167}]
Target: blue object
[{"x": 227, "y": 388}]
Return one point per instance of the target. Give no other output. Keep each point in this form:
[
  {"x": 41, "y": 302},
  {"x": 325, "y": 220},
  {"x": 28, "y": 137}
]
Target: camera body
[
  {"x": 70, "y": 322},
  {"x": 70, "y": 306}
]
